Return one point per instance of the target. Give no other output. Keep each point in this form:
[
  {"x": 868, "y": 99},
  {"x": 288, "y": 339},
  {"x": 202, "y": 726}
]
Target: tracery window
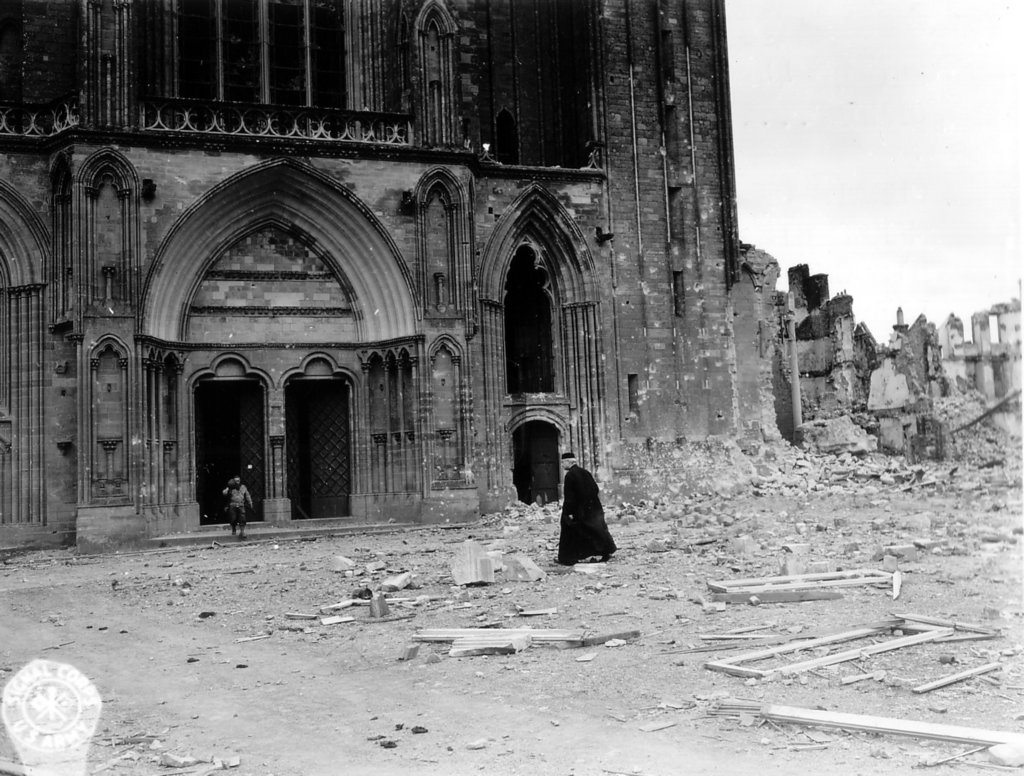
[{"x": 287, "y": 52}]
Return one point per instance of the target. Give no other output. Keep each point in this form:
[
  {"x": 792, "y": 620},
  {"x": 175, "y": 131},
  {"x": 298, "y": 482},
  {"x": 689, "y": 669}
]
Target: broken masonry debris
[
  {"x": 409, "y": 652},
  {"x": 519, "y": 567},
  {"x": 471, "y": 565},
  {"x": 1010, "y": 754},
  {"x": 395, "y": 583},
  {"x": 341, "y": 564},
  {"x": 379, "y": 606}
]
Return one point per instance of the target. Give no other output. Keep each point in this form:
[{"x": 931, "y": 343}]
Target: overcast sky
[{"x": 879, "y": 141}]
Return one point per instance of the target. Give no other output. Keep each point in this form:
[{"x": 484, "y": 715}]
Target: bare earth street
[{"x": 158, "y": 633}]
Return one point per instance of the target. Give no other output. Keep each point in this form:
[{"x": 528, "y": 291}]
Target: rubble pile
[{"x": 984, "y": 444}]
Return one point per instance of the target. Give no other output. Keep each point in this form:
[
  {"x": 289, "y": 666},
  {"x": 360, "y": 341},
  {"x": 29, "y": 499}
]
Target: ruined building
[
  {"x": 386, "y": 259},
  {"x": 990, "y": 362}
]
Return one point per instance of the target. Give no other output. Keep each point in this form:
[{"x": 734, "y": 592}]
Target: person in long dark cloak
[{"x": 584, "y": 532}]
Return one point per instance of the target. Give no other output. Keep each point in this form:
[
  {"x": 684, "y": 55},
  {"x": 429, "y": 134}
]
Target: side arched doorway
[
  {"x": 318, "y": 446},
  {"x": 535, "y": 470},
  {"x": 229, "y": 442}
]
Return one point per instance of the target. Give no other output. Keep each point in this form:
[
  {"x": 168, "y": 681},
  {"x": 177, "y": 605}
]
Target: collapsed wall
[{"x": 889, "y": 390}]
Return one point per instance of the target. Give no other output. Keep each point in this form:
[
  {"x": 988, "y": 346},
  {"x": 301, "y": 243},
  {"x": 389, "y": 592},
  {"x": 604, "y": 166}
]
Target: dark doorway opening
[
  {"x": 529, "y": 352},
  {"x": 318, "y": 449},
  {"x": 229, "y": 442},
  {"x": 535, "y": 472}
]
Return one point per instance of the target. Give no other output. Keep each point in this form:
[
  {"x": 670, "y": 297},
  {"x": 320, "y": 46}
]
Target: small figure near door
[
  {"x": 237, "y": 505},
  {"x": 584, "y": 531}
]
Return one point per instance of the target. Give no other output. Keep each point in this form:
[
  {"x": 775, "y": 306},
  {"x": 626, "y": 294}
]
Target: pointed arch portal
[{"x": 353, "y": 243}]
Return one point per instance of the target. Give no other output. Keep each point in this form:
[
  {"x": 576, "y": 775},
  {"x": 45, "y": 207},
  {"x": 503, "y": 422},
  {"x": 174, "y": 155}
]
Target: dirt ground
[{"x": 158, "y": 633}]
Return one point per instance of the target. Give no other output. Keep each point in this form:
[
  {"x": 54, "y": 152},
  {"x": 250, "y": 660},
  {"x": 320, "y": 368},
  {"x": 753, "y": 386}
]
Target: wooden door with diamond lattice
[{"x": 318, "y": 454}]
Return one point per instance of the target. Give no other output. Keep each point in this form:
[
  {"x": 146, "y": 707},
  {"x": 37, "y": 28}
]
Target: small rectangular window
[{"x": 633, "y": 389}]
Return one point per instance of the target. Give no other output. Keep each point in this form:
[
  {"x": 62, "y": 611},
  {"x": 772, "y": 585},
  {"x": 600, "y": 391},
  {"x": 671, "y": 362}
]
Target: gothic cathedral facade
[{"x": 385, "y": 259}]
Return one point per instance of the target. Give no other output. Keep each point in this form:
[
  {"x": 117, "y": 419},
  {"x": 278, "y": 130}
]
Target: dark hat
[{"x": 568, "y": 455}]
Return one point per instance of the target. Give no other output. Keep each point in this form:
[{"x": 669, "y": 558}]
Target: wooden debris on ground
[
  {"x": 467, "y": 646},
  {"x": 828, "y": 579},
  {"x": 958, "y": 677},
  {"x": 253, "y": 638},
  {"x": 502, "y": 639},
  {"x": 920, "y": 630},
  {"x": 976, "y": 632},
  {"x": 537, "y": 635},
  {"x": 340, "y": 605},
  {"x": 735, "y": 665},
  {"x": 536, "y": 612},
  {"x": 775, "y": 596},
  {"x": 336, "y": 619},
  {"x": 865, "y": 723}
]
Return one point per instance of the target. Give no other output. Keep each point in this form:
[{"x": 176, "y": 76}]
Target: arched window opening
[
  {"x": 528, "y": 336},
  {"x": 506, "y": 139}
]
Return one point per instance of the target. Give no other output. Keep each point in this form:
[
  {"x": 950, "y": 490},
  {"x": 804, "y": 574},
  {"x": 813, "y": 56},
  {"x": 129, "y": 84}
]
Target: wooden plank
[
  {"x": 593, "y": 641},
  {"x": 244, "y": 639},
  {"x": 336, "y": 619},
  {"x": 729, "y": 637},
  {"x": 537, "y": 634},
  {"x": 300, "y": 616},
  {"x": 776, "y": 596},
  {"x": 955, "y": 624},
  {"x": 871, "y": 724},
  {"x": 724, "y": 586},
  {"x": 724, "y": 667},
  {"x": 958, "y": 677},
  {"x": 334, "y": 607},
  {"x": 470, "y": 647},
  {"x": 826, "y": 585},
  {"x": 799, "y": 644},
  {"x": 853, "y": 654},
  {"x": 969, "y": 637},
  {"x": 858, "y": 678}
]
